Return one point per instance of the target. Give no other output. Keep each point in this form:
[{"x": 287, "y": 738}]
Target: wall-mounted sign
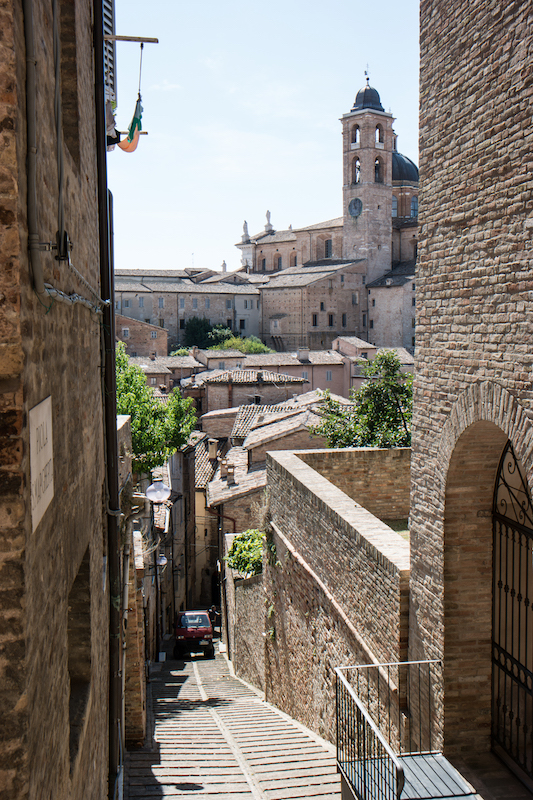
[{"x": 41, "y": 460}]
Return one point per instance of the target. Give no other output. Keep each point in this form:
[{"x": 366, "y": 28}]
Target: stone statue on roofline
[{"x": 268, "y": 226}]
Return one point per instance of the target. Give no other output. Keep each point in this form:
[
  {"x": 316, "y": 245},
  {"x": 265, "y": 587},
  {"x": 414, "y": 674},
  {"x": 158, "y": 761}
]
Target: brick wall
[
  {"x": 378, "y": 479},
  {"x": 56, "y": 353},
  {"x": 472, "y": 386},
  {"x": 142, "y": 339},
  {"x": 295, "y": 441},
  {"x": 336, "y": 583},
  {"x": 249, "y": 631},
  {"x": 237, "y": 394}
]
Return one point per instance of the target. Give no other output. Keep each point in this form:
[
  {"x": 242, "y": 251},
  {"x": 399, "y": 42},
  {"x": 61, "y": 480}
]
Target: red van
[{"x": 194, "y": 634}]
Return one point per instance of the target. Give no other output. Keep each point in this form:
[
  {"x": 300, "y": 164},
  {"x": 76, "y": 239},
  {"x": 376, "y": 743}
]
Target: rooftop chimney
[
  {"x": 303, "y": 354},
  {"x": 212, "y": 448},
  {"x": 152, "y": 356},
  {"x": 224, "y": 468},
  {"x": 231, "y": 474},
  {"x": 194, "y": 351}
]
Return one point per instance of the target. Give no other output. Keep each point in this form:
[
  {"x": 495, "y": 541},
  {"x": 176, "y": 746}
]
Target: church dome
[
  {"x": 367, "y": 97},
  {"x": 403, "y": 169}
]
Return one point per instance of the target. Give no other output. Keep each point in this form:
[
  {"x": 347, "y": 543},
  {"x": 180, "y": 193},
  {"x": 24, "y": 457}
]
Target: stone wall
[
  {"x": 378, "y": 479},
  {"x": 472, "y": 387},
  {"x": 54, "y": 594},
  {"x": 142, "y": 339},
  {"x": 336, "y": 583},
  {"x": 221, "y": 395},
  {"x": 249, "y": 631}
]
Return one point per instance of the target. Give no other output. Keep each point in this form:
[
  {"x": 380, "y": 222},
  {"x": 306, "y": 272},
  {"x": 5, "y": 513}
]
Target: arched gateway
[{"x": 512, "y": 621}]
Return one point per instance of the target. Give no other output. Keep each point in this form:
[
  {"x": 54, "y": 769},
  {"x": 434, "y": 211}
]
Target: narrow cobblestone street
[{"x": 214, "y": 737}]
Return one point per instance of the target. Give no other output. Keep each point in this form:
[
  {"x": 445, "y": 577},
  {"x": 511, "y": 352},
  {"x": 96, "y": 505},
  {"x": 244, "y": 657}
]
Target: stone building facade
[
  {"x": 141, "y": 338},
  {"x": 473, "y": 374},
  {"x": 54, "y": 598}
]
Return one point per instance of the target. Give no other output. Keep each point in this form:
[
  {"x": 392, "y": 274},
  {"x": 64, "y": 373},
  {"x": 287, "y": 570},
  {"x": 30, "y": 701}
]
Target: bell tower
[{"x": 368, "y": 141}]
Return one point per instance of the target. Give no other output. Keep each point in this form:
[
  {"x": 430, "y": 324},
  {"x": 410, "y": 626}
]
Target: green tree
[
  {"x": 218, "y": 336},
  {"x": 156, "y": 430},
  {"x": 197, "y": 330},
  {"x": 249, "y": 345},
  {"x": 380, "y": 411},
  {"x": 246, "y": 553}
]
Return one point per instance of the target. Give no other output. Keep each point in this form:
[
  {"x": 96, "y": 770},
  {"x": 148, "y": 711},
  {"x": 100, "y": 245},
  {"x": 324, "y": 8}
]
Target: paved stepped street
[{"x": 215, "y": 737}]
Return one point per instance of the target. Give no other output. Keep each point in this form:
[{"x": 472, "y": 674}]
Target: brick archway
[{"x": 484, "y": 418}]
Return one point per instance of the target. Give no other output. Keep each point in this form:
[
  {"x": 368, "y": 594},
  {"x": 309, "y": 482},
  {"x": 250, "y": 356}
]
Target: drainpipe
[{"x": 110, "y": 412}]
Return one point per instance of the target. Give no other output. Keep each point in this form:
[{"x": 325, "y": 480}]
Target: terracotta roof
[
  {"x": 246, "y": 480},
  {"x": 204, "y": 468},
  {"x": 167, "y": 362},
  {"x": 248, "y": 415},
  {"x": 406, "y": 358},
  {"x": 356, "y": 342},
  {"x": 251, "y": 376},
  {"x": 221, "y": 354},
  {"x": 152, "y": 368},
  {"x": 280, "y": 427}
]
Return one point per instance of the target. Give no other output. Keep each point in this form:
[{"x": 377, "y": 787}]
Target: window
[
  {"x": 355, "y": 298},
  {"x": 356, "y": 134},
  {"x": 328, "y": 375},
  {"x": 305, "y": 374},
  {"x": 279, "y": 262},
  {"x": 134, "y": 354},
  {"x": 413, "y": 301},
  {"x": 330, "y": 284},
  {"x": 263, "y": 264},
  {"x": 294, "y": 259},
  {"x": 246, "y": 303},
  {"x": 161, "y": 302},
  {"x": 274, "y": 323},
  {"x": 207, "y": 302},
  {"x": 322, "y": 307},
  {"x": 153, "y": 334},
  {"x": 258, "y": 305},
  {"x": 414, "y": 207},
  {"x": 315, "y": 320},
  {"x": 364, "y": 355},
  {"x": 330, "y": 320},
  {"x": 364, "y": 279},
  {"x": 182, "y": 324},
  {"x": 242, "y": 324},
  {"x": 364, "y": 320},
  {"x": 221, "y": 365},
  {"x": 161, "y": 323},
  {"x": 342, "y": 279},
  {"x": 147, "y": 319},
  {"x": 153, "y": 381},
  {"x": 414, "y": 286},
  {"x": 182, "y": 302},
  {"x": 379, "y": 135},
  {"x": 344, "y": 320},
  {"x": 378, "y": 171},
  {"x": 413, "y": 341},
  {"x": 228, "y": 323},
  {"x": 371, "y": 323},
  {"x": 125, "y": 333},
  {"x": 356, "y": 171},
  {"x": 195, "y": 302},
  {"x": 394, "y": 206},
  {"x": 141, "y": 302},
  {"x": 126, "y": 303},
  {"x": 413, "y": 322},
  {"x": 328, "y": 248},
  {"x": 228, "y": 303},
  {"x": 373, "y": 301}
]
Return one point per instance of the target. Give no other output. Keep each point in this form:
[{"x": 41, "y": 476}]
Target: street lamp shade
[{"x": 158, "y": 491}]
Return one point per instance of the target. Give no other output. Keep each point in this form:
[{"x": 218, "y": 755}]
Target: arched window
[
  {"x": 294, "y": 259},
  {"x": 378, "y": 171},
  {"x": 414, "y": 207},
  {"x": 279, "y": 262},
  {"x": 328, "y": 248},
  {"x": 379, "y": 135},
  {"x": 394, "y": 206},
  {"x": 356, "y": 171},
  {"x": 415, "y": 250},
  {"x": 356, "y": 134}
]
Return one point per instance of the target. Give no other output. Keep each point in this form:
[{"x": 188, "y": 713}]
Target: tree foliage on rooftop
[
  {"x": 380, "y": 411},
  {"x": 157, "y": 430},
  {"x": 248, "y": 345},
  {"x": 245, "y": 555}
]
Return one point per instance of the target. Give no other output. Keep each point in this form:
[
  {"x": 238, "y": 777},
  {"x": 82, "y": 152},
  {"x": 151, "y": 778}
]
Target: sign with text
[{"x": 41, "y": 460}]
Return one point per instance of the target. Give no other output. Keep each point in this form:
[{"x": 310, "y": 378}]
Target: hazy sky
[{"x": 242, "y": 102}]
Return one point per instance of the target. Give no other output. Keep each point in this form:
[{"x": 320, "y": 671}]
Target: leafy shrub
[{"x": 246, "y": 553}]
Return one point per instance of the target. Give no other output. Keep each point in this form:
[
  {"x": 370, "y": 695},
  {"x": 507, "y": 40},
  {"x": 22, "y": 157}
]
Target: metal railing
[
  {"x": 363, "y": 756},
  {"x": 384, "y": 712}
]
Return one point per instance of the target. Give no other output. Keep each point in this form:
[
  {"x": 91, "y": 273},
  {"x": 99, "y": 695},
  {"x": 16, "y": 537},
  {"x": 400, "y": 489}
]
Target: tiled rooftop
[{"x": 251, "y": 376}]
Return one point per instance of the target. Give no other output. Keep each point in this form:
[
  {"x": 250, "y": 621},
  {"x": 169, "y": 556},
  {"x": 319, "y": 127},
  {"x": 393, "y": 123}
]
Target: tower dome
[
  {"x": 367, "y": 97},
  {"x": 403, "y": 169}
]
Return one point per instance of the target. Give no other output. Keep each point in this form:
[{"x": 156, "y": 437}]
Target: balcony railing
[{"x": 386, "y": 713}]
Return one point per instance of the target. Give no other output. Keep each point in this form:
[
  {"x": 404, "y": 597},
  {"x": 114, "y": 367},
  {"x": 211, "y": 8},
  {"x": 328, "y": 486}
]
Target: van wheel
[{"x": 210, "y": 652}]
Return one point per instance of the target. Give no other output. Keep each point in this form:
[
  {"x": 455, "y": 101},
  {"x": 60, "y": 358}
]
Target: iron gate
[{"x": 512, "y": 635}]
